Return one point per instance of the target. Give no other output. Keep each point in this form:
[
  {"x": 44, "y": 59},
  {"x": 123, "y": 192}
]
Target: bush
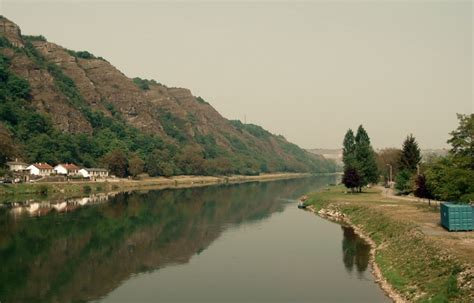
[
  {"x": 86, "y": 189},
  {"x": 43, "y": 190}
]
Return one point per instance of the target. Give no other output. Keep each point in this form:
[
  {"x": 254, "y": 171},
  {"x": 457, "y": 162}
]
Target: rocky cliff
[{"x": 82, "y": 95}]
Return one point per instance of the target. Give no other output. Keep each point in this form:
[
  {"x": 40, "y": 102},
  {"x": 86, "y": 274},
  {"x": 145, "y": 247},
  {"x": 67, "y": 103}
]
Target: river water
[{"x": 227, "y": 243}]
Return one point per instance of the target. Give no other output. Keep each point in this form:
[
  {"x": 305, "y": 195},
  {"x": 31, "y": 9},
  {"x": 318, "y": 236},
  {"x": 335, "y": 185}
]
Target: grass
[{"x": 420, "y": 269}]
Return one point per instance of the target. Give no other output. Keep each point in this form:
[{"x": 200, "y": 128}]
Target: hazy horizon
[{"x": 305, "y": 70}]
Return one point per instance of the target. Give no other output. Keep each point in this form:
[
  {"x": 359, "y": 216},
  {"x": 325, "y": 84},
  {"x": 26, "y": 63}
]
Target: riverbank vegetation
[
  {"x": 445, "y": 178},
  {"x": 360, "y": 168},
  {"x": 422, "y": 262}
]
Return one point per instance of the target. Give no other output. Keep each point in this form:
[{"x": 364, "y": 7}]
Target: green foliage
[
  {"x": 349, "y": 150},
  {"x": 450, "y": 178},
  {"x": 144, "y": 84},
  {"x": 201, "y": 100},
  {"x": 117, "y": 163},
  {"x": 82, "y": 54},
  {"x": 359, "y": 159},
  {"x": 411, "y": 156},
  {"x": 4, "y": 42},
  {"x": 365, "y": 157},
  {"x": 462, "y": 141},
  {"x": 449, "y": 182},
  {"x": 86, "y": 189},
  {"x": 136, "y": 165},
  {"x": 403, "y": 181},
  {"x": 254, "y": 130},
  {"x": 43, "y": 190},
  {"x": 11, "y": 86},
  {"x": 173, "y": 126},
  {"x": 34, "y": 38}
]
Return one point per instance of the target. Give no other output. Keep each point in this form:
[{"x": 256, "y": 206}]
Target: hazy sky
[{"x": 307, "y": 70}]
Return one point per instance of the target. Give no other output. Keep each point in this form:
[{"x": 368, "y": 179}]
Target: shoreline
[
  {"x": 340, "y": 218},
  {"x": 413, "y": 257},
  {"x": 84, "y": 188}
]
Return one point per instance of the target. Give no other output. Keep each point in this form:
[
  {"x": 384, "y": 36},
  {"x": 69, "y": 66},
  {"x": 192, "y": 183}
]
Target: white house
[
  {"x": 40, "y": 169},
  {"x": 17, "y": 165},
  {"x": 67, "y": 169},
  {"x": 94, "y": 172}
]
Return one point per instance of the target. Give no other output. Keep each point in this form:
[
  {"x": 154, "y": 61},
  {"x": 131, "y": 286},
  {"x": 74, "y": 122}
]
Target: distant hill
[
  {"x": 60, "y": 105},
  {"x": 332, "y": 154}
]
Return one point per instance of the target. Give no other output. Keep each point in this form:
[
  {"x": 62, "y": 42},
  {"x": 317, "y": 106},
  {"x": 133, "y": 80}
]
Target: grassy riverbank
[
  {"x": 13, "y": 192},
  {"x": 417, "y": 257}
]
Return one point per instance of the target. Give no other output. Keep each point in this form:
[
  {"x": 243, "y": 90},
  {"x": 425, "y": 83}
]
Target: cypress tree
[
  {"x": 365, "y": 158},
  {"x": 411, "y": 155},
  {"x": 348, "y": 150}
]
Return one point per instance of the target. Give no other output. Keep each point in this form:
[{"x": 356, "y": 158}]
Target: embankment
[
  {"x": 74, "y": 188},
  {"x": 413, "y": 258}
]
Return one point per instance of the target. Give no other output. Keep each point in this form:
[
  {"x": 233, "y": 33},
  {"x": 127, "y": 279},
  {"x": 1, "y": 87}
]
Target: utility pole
[{"x": 390, "y": 178}]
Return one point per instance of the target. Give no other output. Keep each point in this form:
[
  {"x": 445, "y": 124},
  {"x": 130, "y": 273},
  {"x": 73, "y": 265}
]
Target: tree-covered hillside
[{"x": 59, "y": 105}]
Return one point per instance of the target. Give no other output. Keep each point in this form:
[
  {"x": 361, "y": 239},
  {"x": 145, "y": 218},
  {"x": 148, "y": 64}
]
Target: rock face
[
  {"x": 11, "y": 31},
  {"x": 154, "y": 109}
]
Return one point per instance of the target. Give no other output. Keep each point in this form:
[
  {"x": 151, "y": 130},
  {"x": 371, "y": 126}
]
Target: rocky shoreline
[{"x": 338, "y": 217}]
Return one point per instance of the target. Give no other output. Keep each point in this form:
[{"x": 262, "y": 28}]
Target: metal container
[{"x": 457, "y": 217}]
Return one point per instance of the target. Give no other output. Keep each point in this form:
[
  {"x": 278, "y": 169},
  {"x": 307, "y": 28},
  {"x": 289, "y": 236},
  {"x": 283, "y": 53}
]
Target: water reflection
[
  {"x": 74, "y": 253},
  {"x": 356, "y": 252},
  {"x": 35, "y": 207}
]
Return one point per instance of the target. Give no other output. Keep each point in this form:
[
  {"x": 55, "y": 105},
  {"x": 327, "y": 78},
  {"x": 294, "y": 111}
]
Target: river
[{"x": 225, "y": 243}]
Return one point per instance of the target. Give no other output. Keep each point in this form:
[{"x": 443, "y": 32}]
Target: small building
[
  {"x": 40, "y": 169},
  {"x": 94, "y": 172},
  {"x": 68, "y": 169},
  {"x": 17, "y": 166},
  {"x": 456, "y": 217}
]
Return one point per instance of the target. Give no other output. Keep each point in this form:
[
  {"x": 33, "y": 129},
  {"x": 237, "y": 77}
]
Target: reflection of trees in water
[
  {"x": 86, "y": 253},
  {"x": 355, "y": 251}
]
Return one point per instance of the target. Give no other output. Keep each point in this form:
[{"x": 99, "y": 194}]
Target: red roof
[
  {"x": 70, "y": 166},
  {"x": 42, "y": 165}
]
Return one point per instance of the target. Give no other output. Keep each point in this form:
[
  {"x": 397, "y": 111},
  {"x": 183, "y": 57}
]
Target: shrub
[
  {"x": 86, "y": 189},
  {"x": 43, "y": 190}
]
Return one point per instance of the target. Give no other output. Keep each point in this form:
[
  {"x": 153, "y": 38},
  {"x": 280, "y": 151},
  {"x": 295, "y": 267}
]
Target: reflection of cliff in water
[
  {"x": 86, "y": 253},
  {"x": 356, "y": 251}
]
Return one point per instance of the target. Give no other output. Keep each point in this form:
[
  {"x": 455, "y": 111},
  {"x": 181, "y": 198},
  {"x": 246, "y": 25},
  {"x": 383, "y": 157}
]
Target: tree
[
  {"x": 411, "y": 155},
  {"x": 365, "y": 158},
  {"x": 421, "y": 188},
  {"x": 448, "y": 181},
  {"x": 135, "y": 165},
  {"x": 348, "y": 149},
  {"x": 462, "y": 141},
  {"x": 7, "y": 146},
  {"x": 351, "y": 178},
  {"x": 403, "y": 181},
  {"x": 116, "y": 162},
  {"x": 160, "y": 163}
]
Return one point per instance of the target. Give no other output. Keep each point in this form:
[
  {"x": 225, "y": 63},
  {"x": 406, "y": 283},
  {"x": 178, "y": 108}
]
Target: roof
[
  {"x": 42, "y": 165},
  {"x": 17, "y": 163},
  {"x": 69, "y": 166}
]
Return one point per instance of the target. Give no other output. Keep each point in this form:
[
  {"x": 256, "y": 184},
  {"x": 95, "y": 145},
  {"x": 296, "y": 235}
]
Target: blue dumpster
[{"x": 456, "y": 217}]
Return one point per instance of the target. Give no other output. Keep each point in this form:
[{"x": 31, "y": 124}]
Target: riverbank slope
[
  {"x": 74, "y": 188},
  {"x": 418, "y": 260}
]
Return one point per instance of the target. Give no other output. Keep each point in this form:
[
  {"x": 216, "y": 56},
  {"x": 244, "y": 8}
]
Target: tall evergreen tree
[
  {"x": 348, "y": 150},
  {"x": 411, "y": 155},
  {"x": 365, "y": 158}
]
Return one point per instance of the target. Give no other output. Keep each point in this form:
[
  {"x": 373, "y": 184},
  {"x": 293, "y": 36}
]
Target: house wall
[{"x": 60, "y": 170}]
